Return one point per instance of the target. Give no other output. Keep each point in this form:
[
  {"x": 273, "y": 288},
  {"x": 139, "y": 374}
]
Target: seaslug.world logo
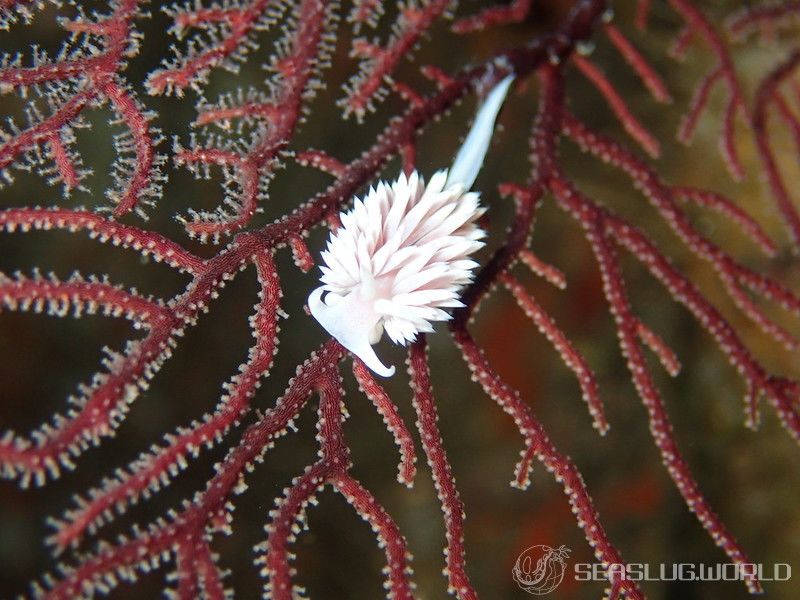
[{"x": 540, "y": 569}]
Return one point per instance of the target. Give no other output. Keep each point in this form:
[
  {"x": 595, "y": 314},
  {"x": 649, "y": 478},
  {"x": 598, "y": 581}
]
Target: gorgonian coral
[{"x": 252, "y": 138}]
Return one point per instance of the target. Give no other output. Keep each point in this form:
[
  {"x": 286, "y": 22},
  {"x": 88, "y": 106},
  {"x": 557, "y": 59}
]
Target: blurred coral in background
[{"x": 170, "y": 175}]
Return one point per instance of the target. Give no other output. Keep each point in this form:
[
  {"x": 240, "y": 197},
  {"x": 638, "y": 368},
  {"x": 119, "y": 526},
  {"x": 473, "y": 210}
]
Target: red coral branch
[
  {"x": 331, "y": 468},
  {"x": 571, "y": 357},
  {"x": 145, "y": 242},
  {"x": 79, "y": 295},
  {"x": 540, "y": 447},
  {"x": 185, "y": 569},
  {"x": 764, "y": 17},
  {"x": 700, "y": 25},
  {"x": 153, "y": 470},
  {"x": 289, "y": 511},
  {"x": 592, "y": 221},
  {"x": 789, "y": 118},
  {"x": 387, "y": 531},
  {"x": 669, "y": 360},
  {"x": 650, "y": 78},
  {"x": 94, "y": 74},
  {"x": 687, "y": 294},
  {"x": 116, "y": 33},
  {"x": 698, "y": 105},
  {"x": 184, "y": 71},
  {"x": 394, "y": 422},
  {"x": 321, "y": 161},
  {"x": 364, "y": 89},
  {"x": 681, "y": 44},
  {"x": 245, "y": 110},
  {"x": 731, "y": 272},
  {"x": 43, "y": 132},
  {"x": 137, "y": 177},
  {"x": 764, "y": 97},
  {"x": 301, "y": 254},
  {"x": 209, "y": 506},
  {"x": 296, "y": 70},
  {"x": 100, "y": 408},
  {"x": 208, "y": 573},
  {"x": 617, "y": 104},
  {"x": 547, "y": 271},
  {"x": 65, "y": 167},
  {"x": 443, "y": 479},
  {"x": 514, "y": 12},
  {"x": 724, "y": 206}
]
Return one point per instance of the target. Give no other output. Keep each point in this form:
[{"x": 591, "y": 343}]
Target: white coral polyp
[
  {"x": 401, "y": 256},
  {"x": 399, "y": 259}
]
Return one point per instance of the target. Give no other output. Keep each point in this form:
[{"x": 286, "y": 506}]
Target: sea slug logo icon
[{"x": 540, "y": 569}]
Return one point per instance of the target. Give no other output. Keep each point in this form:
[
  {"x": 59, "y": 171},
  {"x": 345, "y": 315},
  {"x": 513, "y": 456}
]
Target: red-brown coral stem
[
  {"x": 660, "y": 196},
  {"x": 592, "y": 220},
  {"x": 331, "y": 468},
  {"x": 185, "y": 569},
  {"x": 208, "y": 573},
  {"x": 148, "y": 472},
  {"x": 669, "y": 360},
  {"x": 297, "y": 70},
  {"x": 687, "y": 294},
  {"x": 763, "y": 16},
  {"x": 698, "y": 103},
  {"x": 43, "y": 132},
  {"x": 649, "y": 76},
  {"x": 128, "y": 554},
  {"x": 513, "y": 12},
  {"x": 452, "y": 506},
  {"x": 571, "y": 357},
  {"x": 391, "y": 417},
  {"x": 726, "y": 207},
  {"x": 387, "y": 531},
  {"x": 139, "y": 180},
  {"x": 702, "y": 26},
  {"x": 104, "y": 230},
  {"x": 764, "y": 97},
  {"x": 414, "y": 22},
  {"x": 65, "y": 166},
  {"x": 117, "y": 37},
  {"x": 617, "y": 104},
  {"x": 79, "y": 295},
  {"x": 543, "y": 269},
  {"x": 790, "y": 119},
  {"x": 241, "y": 22},
  {"x": 539, "y": 445},
  {"x": 245, "y": 134}
]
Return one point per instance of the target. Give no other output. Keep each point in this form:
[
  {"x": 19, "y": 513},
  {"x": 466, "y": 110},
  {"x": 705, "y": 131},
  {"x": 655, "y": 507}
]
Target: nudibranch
[{"x": 401, "y": 255}]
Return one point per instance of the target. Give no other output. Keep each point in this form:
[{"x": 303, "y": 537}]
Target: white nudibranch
[{"x": 401, "y": 256}]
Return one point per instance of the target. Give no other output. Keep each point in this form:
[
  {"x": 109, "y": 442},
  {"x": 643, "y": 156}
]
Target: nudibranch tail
[
  {"x": 353, "y": 324},
  {"x": 470, "y": 156}
]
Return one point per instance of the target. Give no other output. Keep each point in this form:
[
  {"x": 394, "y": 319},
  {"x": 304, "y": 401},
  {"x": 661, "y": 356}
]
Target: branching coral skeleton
[{"x": 396, "y": 261}]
